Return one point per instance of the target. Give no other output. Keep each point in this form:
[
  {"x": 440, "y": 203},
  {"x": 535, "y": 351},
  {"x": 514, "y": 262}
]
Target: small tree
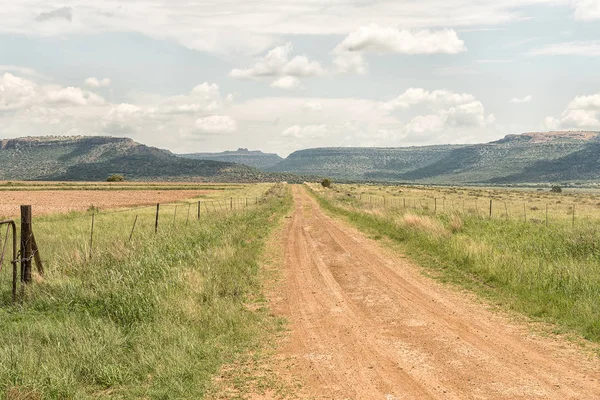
[
  {"x": 115, "y": 178},
  {"x": 556, "y": 189},
  {"x": 326, "y": 183}
]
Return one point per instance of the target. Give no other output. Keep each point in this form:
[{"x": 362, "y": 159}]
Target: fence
[
  {"x": 531, "y": 211},
  {"x": 74, "y": 235}
]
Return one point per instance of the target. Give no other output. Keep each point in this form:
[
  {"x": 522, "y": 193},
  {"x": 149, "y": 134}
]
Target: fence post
[
  {"x": 156, "y": 223},
  {"x": 435, "y": 205},
  {"x": 525, "y": 211},
  {"x": 36, "y": 255},
  {"x": 231, "y": 203},
  {"x": 546, "y": 214},
  {"x": 198, "y": 209},
  {"x": 132, "y": 229},
  {"x": 92, "y": 233},
  {"x": 491, "y": 208},
  {"x": 573, "y": 225},
  {"x": 26, "y": 244}
]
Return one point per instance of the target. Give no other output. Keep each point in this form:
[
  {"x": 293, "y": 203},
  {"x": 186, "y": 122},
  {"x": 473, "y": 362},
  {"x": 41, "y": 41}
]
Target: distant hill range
[
  {"x": 94, "y": 158},
  {"x": 529, "y": 158},
  {"x": 256, "y": 159},
  {"x": 539, "y": 157}
]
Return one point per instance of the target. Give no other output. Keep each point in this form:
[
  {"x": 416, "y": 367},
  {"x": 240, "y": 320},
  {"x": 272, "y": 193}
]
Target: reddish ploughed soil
[
  {"x": 366, "y": 325},
  {"x": 62, "y": 201}
]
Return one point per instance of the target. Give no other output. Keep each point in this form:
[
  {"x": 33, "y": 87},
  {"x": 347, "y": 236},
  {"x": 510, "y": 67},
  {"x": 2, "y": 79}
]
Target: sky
[{"x": 284, "y": 75}]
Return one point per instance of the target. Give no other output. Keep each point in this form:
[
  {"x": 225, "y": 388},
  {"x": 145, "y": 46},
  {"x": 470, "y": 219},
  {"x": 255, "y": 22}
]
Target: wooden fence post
[
  {"x": 156, "y": 223},
  {"x": 525, "y": 211},
  {"x": 92, "y": 233},
  {"x": 26, "y": 245},
  {"x": 132, "y": 229},
  {"x": 491, "y": 208},
  {"x": 36, "y": 255},
  {"x": 546, "y": 214},
  {"x": 573, "y": 225},
  {"x": 435, "y": 205},
  {"x": 199, "y": 207},
  {"x": 231, "y": 203}
]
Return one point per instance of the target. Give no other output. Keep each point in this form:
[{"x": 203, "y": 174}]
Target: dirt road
[{"x": 366, "y": 325}]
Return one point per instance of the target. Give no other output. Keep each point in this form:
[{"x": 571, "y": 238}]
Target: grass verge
[{"x": 152, "y": 318}]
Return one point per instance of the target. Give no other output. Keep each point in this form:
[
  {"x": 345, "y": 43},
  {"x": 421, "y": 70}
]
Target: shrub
[
  {"x": 556, "y": 189},
  {"x": 326, "y": 183},
  {"x": 115, "y": 178}
]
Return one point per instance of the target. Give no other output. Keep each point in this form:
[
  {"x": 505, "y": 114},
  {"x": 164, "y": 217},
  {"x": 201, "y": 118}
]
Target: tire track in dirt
[{"x": 366, "y": 325}]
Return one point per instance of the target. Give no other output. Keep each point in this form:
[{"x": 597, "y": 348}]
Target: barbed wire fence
[
  {"x": 543, "y": 212},
  {"x": 161, "y": 216}
]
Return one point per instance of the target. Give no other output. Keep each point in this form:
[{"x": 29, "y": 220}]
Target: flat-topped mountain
[
  {"x": 527, "y": 158},
  {"x": 254, "y": 158},
  {"x": 93, "y": 158}
]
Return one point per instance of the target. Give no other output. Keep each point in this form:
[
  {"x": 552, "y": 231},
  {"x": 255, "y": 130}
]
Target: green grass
[
  {"x": 551, "y": 274},
  {"x": 152, "y": 318}
]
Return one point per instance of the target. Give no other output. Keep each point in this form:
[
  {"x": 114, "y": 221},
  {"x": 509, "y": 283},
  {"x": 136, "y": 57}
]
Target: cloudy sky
[{"x": 281, "y": 75}]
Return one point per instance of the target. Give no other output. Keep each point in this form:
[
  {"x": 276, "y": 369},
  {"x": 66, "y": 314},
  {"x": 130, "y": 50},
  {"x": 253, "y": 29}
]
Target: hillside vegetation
[
  {"x": 95, "y": 158},
  {"x": 527, "y": 158},
  {"x": 256, "y": 159}
]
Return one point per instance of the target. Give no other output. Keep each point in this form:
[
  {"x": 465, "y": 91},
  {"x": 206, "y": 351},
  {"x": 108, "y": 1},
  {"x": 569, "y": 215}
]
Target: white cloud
[
  {"x": 97, "y": 83},
  {"x": 417, "y": 96},
  {"x": 521, "y": 100},
  {"x": 208, "y": 90},
  {"x": 301, "y": 66},
  {"x": 585, "y": 102},
  {"x": 426, "y": 123},
  {"x": 16, "y": 93},
  {"x": 308, "y": 131},
  {"x": 73, "y": 96},
  {"x": 583, "y": 112},
  {"x": 378, "y": 39},
  {"x": 215, "y": 25},
  {"x": 587, "y": 10},
  {"x": 450, "y": 110},
  {"x": 59, "y": 13},
  {"x": 216, "y": 124},
  {"x": 348, "y": 58},
  {"x": 346, "y": 62},
  {"x": 576, "y": 48},
  {"x": 286, "y": 82},
  {"x": 313, "y": 105},
  {"x": 20, "y": 93},
  {"x": 276, "y": 63}
]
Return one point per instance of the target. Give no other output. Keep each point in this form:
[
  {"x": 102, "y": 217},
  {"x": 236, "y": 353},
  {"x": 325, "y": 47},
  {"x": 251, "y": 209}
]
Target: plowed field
[{"x": 62, "y": 201}]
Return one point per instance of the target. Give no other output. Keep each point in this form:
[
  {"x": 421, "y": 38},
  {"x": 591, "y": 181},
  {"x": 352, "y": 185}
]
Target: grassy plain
[
  {"x": 151, "y": 317},
  {"x": 549, "y": 272}
]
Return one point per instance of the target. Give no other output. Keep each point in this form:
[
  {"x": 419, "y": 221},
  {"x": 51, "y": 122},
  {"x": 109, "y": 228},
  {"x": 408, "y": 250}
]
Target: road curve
[{"x": 364, "y": 324}]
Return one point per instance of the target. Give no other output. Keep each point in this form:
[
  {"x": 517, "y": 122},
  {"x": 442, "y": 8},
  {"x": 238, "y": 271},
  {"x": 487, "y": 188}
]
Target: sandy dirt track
[{"x": 366, "y": 325}]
